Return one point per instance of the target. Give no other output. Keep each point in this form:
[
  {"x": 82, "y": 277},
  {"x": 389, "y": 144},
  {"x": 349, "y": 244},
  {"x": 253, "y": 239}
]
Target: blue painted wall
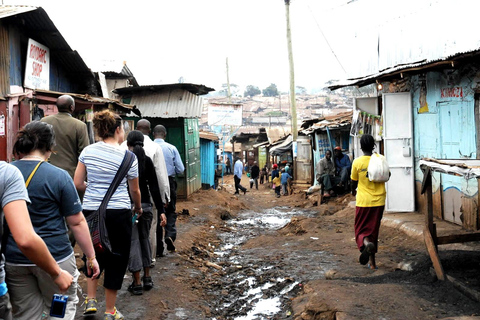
[
  {"x": 447, "y": 129},
  {"x": 207, "y": 160}
]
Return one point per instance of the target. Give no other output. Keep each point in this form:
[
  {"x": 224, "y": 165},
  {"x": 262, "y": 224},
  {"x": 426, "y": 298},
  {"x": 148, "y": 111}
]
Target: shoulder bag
[{"x": 96, "y": 220}]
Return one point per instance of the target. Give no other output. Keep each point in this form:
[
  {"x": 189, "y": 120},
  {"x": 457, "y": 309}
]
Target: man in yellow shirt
[{"x": 370, "y": 203}]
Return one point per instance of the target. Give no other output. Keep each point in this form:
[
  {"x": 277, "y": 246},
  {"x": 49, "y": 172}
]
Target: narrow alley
[{"x": 255, "y": 256}]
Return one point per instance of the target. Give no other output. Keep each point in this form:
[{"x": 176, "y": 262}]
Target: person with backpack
[
  {"x": 370, "y": 203},
  {"x": 99, "y": 163}
]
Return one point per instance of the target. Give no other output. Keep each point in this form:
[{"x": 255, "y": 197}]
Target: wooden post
[{"x": 429, "y": 216}]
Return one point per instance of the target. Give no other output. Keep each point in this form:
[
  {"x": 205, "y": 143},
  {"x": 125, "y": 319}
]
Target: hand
[
  {"x": 165, "y": 205},
  {"x": 63, "y": 281},
  {"x": 92, "y": 266},
  {"x": 163, "y": 220},
  {"x": 138, "y": 211},
  {"x": 354, "y": 192}
]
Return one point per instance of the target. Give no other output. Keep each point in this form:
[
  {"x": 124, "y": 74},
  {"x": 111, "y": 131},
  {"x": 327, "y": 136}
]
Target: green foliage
[
  {"x": 275, "y": 113},
  {"x": 300, "y": 90},
  {"x": 251, "y": 91},
  {"x": 233, "y": 90},
  {"x": 270, "y": 91}
]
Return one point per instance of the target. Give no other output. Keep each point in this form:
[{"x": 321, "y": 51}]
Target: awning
[
  {"x": 264, "y": 143},
  {"x": 82, "y": 101},
  {"x": 284, "y": 147}
]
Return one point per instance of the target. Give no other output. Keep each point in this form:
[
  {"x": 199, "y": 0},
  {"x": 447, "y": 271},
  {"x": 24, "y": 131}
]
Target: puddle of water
[
  {"x": 267, "y": 307},
  {"x": 251, "y": 295}
]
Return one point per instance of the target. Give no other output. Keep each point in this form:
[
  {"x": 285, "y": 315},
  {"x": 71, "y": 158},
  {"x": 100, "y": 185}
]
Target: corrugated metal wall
[
  {"x": 207, "y": 161},
  {"x": 17, "y": 69},
  {"x": 192, "y": 159},
  {"x": 175, "y": 103},
  {"x": 4, "y": 61}
]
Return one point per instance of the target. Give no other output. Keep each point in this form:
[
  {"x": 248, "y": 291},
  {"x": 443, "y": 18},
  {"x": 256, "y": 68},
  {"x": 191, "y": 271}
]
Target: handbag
[
  {"x": 96, "y": 220},
  {"x": 378, "y": 169}
]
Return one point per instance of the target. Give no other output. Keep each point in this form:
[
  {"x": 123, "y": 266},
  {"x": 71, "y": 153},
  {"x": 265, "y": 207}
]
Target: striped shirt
[{"x": 102, "y": 162}]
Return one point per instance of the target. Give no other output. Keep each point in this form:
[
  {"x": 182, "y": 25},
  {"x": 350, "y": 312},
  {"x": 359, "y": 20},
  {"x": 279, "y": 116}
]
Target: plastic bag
[{"x": 378, "y": 170}]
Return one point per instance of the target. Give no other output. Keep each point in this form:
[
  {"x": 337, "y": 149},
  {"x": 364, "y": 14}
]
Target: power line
[{"x": 326, "y": 40}]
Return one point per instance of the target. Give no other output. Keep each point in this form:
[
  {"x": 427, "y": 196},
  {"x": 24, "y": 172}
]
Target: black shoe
[
  {"x": 245, "y": 191},
  {"x": 170, "y": 245},
  {"x": 237, "y": 192},
  {"x": 135, "y": 290},
  {"x": 147, "y": 283}
]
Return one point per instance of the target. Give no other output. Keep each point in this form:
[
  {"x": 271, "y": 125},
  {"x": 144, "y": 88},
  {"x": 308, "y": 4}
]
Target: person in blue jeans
[{"x": 284, "y": 180}]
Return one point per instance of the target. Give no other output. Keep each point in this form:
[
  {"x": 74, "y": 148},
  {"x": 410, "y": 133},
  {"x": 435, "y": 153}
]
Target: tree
[
  {"x": 234, "y": 88},
  {"x": 270, "y": 91},
  {"x": 300, "y": 90},
  {"x": 251, "y": 91}
]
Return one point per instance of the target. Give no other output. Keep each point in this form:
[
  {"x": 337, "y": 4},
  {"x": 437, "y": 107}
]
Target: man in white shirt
[
  {"x": 154, "y": 152},
  {"x": 237, "y": 176}
]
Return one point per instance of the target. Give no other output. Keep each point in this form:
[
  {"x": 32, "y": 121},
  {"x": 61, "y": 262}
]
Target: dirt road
[{"x": 255, "y": 256}]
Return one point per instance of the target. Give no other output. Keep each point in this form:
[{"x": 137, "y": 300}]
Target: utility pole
[
  {"x": 228, "y": 86},
  {"x": 293, "y": 106}
]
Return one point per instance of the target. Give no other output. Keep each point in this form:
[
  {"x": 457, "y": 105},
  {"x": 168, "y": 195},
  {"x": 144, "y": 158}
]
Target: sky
[{"x": 162, "y": 40}]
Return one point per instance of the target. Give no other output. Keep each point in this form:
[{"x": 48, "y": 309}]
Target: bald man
[{"x": 71, "y": 135}]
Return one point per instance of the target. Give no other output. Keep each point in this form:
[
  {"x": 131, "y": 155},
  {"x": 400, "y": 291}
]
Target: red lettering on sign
[
  {"x": 37, "y": 69},
  {"x": 456, "y": 92},
  {"x": 38, "y": 54}
]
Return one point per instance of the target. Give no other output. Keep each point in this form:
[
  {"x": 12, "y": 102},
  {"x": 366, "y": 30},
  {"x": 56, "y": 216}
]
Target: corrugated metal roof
[
  {"x": 276, "y": 133},
  {"x": 86, "y": 97},
  {"x": 331, "y": 122},
  {"x": 208, "y": 135},
  {"x": 197, "y": 89},
  {"x": 403, "y": 35},
  {"x": 7, "y": 11},
  {"x": 173, "y": 103}
]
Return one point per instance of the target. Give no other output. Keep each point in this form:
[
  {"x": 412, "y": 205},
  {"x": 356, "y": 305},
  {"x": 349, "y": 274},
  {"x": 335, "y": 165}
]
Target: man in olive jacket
[{"x": 71, "y": 135}]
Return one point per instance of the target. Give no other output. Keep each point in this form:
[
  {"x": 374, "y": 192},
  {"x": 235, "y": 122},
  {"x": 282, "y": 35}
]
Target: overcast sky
[{"x": 162, "y": 40}]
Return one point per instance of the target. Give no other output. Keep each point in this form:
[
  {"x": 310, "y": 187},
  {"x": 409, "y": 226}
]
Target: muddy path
[{"x": 255, "y": 256}]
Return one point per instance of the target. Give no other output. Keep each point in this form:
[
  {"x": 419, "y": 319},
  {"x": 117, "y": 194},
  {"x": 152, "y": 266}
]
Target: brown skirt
[{"x": 367, "y": 224}]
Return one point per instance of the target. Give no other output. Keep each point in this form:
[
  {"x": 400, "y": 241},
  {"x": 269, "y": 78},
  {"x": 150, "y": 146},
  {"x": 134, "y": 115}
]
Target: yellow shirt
[
  {"x": 277, "y": 181},
  {"x": 369, "y": 194}
]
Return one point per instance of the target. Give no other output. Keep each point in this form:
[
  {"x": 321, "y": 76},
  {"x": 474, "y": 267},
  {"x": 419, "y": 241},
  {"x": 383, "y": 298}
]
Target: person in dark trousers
[
  {"x": 343, "y": 166},
  {"x": 254, "y": 173},
  {"x": 264, "y": 175},
  {"x": 141, "y": 250},
  {"x": 174, "y": 166},
  {"x": 228, "y": 166},
  {"x": 237, "y": 176}
]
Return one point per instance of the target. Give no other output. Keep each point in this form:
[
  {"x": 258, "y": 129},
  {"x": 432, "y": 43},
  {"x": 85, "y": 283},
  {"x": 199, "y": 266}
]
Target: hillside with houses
[{"x": 260, "y": 111}]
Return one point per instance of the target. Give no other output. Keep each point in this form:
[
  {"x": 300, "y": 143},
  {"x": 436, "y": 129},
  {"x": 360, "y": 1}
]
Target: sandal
[
  {"x": 136, "y": 290},
  {"x": 147, "y": 283}
]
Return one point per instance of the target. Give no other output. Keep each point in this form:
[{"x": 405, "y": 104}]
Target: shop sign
[{"x": 37, "y": 69}]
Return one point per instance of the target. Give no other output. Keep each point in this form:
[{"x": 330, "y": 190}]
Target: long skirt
[{"x": 367, "y": 224}]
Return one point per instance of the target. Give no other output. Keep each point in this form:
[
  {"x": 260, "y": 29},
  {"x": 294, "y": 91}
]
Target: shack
[
  {"x": 209, "y": 159},
  {"x": 326, "y": 133},
  {"x": 37, "y": 67},
  {"x": 178, "y": 107}
]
